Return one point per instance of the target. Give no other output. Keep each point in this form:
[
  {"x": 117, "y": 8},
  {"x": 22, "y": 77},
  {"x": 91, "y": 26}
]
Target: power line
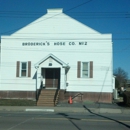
[
  {"x": 34, "y": 12},
  {"x": 126, "y": 48},
  {"x": 73, "y": 13},
  {"x": 92, "y": 17},
  {"x": 79, "y": 14},
  {"x": 78, "y": 5},
  {"x": 81, "y": 17},
  {"x": 69, "y": 84},
  {"x": 70, "y": 33},
  {"x": 40, "y": 38},
  {"x": 54, "y": 15},
  {"x": 62, "y": 51},
  {"x": 69, "y": 50}
]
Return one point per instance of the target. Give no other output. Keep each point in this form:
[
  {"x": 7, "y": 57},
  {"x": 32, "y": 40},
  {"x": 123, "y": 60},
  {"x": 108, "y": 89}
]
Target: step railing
[
  {"x": 56, "y": 96},
  {"x": 39, "y": 90},
  {"x": 77, "y": 95}
]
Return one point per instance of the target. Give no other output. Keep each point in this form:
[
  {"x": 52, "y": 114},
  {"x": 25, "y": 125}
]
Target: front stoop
[{"x": 48, "y": 97}]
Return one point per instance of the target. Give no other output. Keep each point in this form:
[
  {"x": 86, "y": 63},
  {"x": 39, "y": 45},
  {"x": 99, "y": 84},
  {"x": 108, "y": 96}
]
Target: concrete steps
[{"x": 48, "y": 97}]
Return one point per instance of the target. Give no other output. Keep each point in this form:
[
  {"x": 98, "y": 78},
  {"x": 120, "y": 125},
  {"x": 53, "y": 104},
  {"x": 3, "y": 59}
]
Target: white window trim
[
  {"x": 21, "y": 69},
  {"x": 81, "y": 73}
]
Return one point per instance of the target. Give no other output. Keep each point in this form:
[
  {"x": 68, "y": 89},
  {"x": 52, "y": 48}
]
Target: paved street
[{"x": 64, "y": 121}]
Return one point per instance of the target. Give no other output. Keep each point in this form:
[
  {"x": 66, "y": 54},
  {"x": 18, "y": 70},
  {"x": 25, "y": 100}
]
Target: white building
[{"x": 60, "y": 52}]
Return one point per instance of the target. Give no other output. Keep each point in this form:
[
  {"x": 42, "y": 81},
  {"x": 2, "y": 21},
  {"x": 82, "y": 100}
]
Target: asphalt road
[{"x": 63, "y": 121}]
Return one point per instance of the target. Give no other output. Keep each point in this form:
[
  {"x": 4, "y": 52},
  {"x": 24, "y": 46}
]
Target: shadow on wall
[{"x": 35, "y": 75}]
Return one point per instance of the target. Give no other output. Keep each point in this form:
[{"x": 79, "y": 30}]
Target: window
[
  {"x": 85, "y": 69},
  {"x": 23, "y": 69}
]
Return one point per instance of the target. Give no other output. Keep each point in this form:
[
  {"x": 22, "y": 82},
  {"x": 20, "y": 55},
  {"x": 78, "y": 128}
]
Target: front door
[{"x": 52, "y": 77}]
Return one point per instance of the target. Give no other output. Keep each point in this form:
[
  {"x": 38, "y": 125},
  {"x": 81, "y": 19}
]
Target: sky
[{"x": 104, "y": 16}]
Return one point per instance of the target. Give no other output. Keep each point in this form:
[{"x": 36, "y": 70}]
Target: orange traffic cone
[{"x": 70, "y": 100}]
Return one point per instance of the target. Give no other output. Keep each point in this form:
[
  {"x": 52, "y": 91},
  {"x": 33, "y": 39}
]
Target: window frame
[
  {"x": 24, "y": 69},
  {"x": 81, "y": 70}
]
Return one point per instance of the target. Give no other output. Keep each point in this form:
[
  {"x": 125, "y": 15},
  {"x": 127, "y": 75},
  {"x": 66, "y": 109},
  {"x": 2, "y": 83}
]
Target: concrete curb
[
  {"x": 106, "y": 110},
  {"x": 63, "y": 109}
]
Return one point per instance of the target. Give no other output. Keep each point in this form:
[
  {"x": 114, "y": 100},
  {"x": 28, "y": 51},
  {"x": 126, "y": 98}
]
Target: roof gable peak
[{"x": 54, "y": 58}]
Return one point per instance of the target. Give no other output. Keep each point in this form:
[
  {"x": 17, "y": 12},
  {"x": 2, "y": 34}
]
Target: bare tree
[{"x": 121, "y": 78}]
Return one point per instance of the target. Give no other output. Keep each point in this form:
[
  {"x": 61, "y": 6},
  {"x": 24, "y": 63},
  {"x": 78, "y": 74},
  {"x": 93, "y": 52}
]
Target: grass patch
[{"x": 17, "y": 102}]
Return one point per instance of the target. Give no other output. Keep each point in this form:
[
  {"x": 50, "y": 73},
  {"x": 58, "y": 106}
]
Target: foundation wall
[
  {"x": 85, "y": 96},
  {"x": 18, "y": 95}
]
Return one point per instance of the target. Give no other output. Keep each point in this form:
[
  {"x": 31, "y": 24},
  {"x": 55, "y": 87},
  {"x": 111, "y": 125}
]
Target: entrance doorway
[{"x": 52, "y": 78}]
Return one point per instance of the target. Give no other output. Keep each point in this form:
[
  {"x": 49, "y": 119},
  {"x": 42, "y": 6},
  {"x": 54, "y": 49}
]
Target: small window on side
[
  {"x": 85, "y": 70},
  {"x": 23, "y": 69}
]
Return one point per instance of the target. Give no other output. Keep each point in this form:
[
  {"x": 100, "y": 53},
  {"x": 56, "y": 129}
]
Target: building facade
[{"x": 57, "y": 52}]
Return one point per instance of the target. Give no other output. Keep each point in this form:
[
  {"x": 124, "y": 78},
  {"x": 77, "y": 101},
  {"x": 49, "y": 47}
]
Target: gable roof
[
  {"x": 57, "y": 23},
  {"x": 54, "y": 58}
]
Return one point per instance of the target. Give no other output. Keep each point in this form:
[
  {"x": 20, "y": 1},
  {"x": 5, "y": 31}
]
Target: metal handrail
[
  {"x": 81, "y": 94},
  {"x": 55, "y": 96},
  {"x": 40, "y": 89}
]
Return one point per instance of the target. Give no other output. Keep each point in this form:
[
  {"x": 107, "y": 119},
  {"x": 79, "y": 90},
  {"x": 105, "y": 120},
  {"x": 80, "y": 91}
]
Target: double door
[{"x": 52, "y": 77}]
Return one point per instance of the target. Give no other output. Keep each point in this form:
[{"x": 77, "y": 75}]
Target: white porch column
[
  {"x": 62, "y": 79},
  {"x": 36, "y": 82},
  {"x": 38, "y": 76}
]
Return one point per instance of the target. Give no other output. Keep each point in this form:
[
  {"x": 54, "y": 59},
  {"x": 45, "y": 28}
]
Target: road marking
[
  {"x": 95, "y": 120},
  {"x": 18, "y": 124},
  {"x": 103, "y": 120},
  {"x": 44, "y": 110},
  {"x": 124, "y": 121},
  {"x": 70, "y": 119}
]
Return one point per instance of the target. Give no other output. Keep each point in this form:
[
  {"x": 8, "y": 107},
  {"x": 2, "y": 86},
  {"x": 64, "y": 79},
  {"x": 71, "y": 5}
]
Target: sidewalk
[{"x": 82, "y": 107}]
